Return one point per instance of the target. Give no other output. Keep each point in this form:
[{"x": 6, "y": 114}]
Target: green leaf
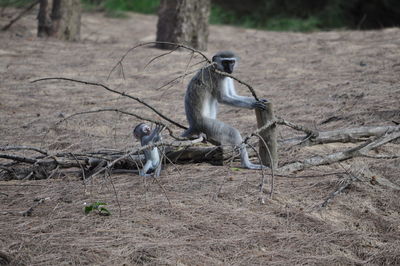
[
  {"x": 104, "y": 211},
  {"x": 88, "y": 209}
]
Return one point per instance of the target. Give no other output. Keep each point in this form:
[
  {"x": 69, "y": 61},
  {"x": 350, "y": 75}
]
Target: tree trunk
[
  {"x": 44, "y": 21},
  {"x": 64, "y": 22},
  {"x": 184, "y": 22}
]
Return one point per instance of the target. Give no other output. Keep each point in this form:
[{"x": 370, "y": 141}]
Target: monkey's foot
[{"x": 253, "y": 166}]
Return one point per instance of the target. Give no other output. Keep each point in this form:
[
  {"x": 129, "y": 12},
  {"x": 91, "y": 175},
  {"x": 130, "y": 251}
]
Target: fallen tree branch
[
  {"x": 310, "y": 132},
  {"x": 351, "y": 177},
  {"x": 145, "y": 147},
  {"x": 17, "y": 148},
  {"x": 20, "y": 159},
  {"x": 179, "y": 152},
  {"x": 358, "y": 151},
  {"x": 343, "y": 135},
  {"x": 345, "y": 184}
]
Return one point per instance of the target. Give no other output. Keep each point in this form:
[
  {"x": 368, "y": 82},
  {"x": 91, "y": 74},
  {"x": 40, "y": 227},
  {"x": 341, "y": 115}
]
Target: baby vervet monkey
[
  {"x": 208, "y": 88},
  {"x": 148, "y": 136}
]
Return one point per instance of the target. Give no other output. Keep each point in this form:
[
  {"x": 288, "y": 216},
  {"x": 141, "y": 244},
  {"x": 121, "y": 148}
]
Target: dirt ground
[{"x": 323, "y": 80}]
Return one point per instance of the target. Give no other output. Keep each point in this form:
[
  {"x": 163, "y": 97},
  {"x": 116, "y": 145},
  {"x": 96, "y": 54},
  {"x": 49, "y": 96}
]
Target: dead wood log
[
  {"x": 268, "y": 144},
  {"x": 358, "y": 151},
  {"x": 45, "y": 165},
  {"x": 213, "y": 155},
  {"x": 342, "y": 135}
]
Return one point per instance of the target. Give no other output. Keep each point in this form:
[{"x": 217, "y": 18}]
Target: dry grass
[{"x": 215, "y": 216}]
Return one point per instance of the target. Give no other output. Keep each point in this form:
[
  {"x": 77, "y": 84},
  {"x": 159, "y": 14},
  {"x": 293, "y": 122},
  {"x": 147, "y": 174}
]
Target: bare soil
[{"x": 323, "y": 80}]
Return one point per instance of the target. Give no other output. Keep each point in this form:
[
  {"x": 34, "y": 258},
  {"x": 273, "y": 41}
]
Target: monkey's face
[
  {"x": 224, "y": 64},
  {"x": 141, "y": 130},
  {"x": 228, "y": 65},
  {"x": 146, "y": 130}
]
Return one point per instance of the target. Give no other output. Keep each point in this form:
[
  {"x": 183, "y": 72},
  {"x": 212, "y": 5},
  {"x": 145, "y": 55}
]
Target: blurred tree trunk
[
  {"x": 44, "y": 21},
  {"x": 64, "y": 22},
  {"x": 183, "y": 21}
]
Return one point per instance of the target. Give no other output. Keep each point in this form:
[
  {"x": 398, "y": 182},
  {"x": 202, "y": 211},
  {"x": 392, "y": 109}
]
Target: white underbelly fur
[{"x": 210, "y": 108}]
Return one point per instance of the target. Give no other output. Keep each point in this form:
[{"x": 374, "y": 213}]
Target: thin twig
[
  {"x": 177, "y": 46},
  {"x": 345, "y": 184},
  {"x": 119, "y": 63},
  {"x": 262, "y": 175},
  {"x": 107, "y": 173},
  {"x": 272, "y": 163},
  {"x": 116, "y": 92},
  {"x": 20, "y": 15},
  {"x": 282, "y": 121},
  {"x": 163, "y": 189},
  {"x": 82, "y": 169},
  {"x": 171, "y": 133},
  {"x": 253, "y": 92},
  {"x": 258, "y": 130},
  {"x": 159, "y": 56}
]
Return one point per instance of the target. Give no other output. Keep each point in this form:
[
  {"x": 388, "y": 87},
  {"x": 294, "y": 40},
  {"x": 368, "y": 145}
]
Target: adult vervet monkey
[{"x": 208, "y": 88}]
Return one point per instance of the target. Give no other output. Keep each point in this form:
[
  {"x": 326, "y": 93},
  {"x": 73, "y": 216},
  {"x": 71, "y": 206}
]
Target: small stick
[
  {"x": 20, "y": 15},
  {"x": 284, "y": 122},
  {"x": 8, "y": 148},
  {"x": 107, "y": 174},
  {"x": 272, "y": 164},
  {"x": 171, "y": 133},
  {"x": 29, "y": 211},
  {"x": 116, "y": 92}
]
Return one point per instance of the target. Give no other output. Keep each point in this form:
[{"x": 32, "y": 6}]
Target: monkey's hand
[
  {"x": 260, "y": 104},
  {"x": 159, "y": 128}
]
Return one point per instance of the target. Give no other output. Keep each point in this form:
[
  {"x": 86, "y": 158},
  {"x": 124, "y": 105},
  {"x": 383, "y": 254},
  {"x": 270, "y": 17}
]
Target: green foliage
[
  {"x": 97, "y": 207},
  {"x": 220, "y": 16},
  {"x": 14, "y": 3},
  {"x": 115, "y": 8},
  {"x": 293, "y": 24},
  {"x": 277, "y": 15},
  {"x": 307, "y": 15}
]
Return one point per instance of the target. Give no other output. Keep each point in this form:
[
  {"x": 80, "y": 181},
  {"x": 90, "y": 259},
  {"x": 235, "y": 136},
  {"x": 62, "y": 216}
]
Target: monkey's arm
[
  {"x": 154, "y": 136},
  {"x": 227, "y": 95}
]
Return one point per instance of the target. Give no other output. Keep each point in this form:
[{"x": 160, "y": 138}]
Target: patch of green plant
[
  {"x": 117, "y": 8},
  {"x": 14, "y": 3},
  {"x": 90, "y": 6},
  {"x": 293, "y": 24},
  {"x": 97, "y": 207},
  {"x": 111, "y": 13},
  {"x": 222, "y": 16},
  {"x": 218, "y": 15}
]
